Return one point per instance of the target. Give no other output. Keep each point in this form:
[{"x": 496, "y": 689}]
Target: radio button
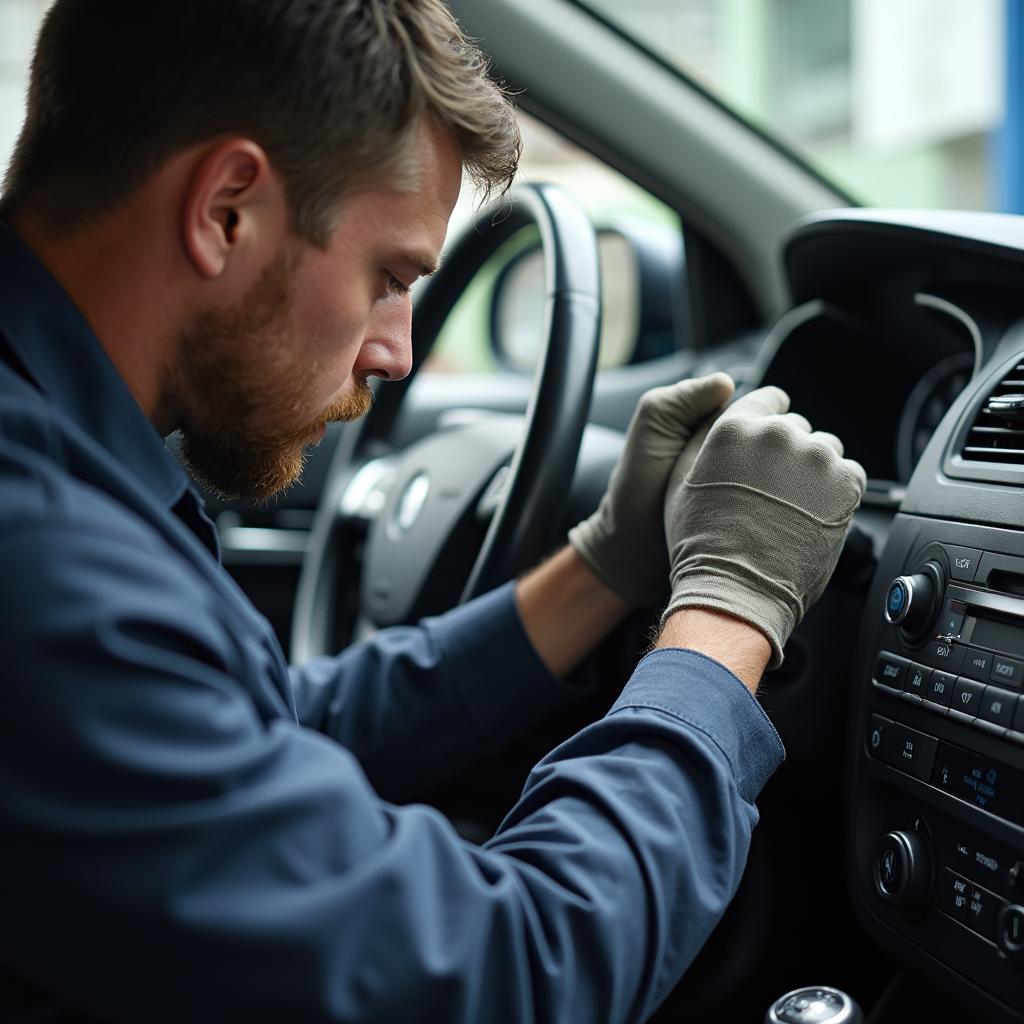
[
  {"x": 977, "y": 664},
  {"x": 998, "y": 706},
  {"x": 951, "y": 621},
  {"x": 940, "y": 688},
  {"x": 916, "y": 681},
  {"x": 982, "y": 911},
  {"x": 912, "y": 752},
  {"x": 963, "y": 851},
  {"x": 963, "y": 562},
  {"x": 878, "y": 735},
  {"x": 986, "y": 861},
  {"x": 953, "y": 890},
  {"x": 948, "y": 657},
  {"x": 890, "y": 671},
  {"x": 966, "y": 698},
  {"x": 1006, "y": 671},
  {"x": 1016, "y": 733}
]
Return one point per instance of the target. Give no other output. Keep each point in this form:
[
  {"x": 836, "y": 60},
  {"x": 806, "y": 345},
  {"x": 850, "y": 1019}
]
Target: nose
[{"x": 387, "y": 349}]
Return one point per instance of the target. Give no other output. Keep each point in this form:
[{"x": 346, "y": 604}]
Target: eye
[{"x": 395, "y": 286}]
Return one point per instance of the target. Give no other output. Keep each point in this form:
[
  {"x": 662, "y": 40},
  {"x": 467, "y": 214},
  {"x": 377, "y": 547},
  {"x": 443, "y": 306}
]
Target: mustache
[{"x": 352, "y": 406}]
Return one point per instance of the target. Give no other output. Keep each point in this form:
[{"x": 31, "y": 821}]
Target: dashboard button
[
  {"x": 948, "y": 657},
  {"x": 998, "y": 706},
  {"x": 890, "y": 671},
  {"x": 1010, "y": 930},
  {"x": 912, "y": 752},
  {"x": 982, "y": 911},
  {"x": 1018, "y": 723},
  {"x": 951, "y": 621},
  {"x": 977, "y": 664},
  {"x": 878, "y": 736},
  {"x": 953, "y": 894},
  {"x": 917, "y": 678},
  {"x": 963, "y": 562},
  {"x": 987, "y": 861},
  {"x": 963, "y": 851},
  {"x": 966, "y": 698},
  {"x": 940, "y": 688},
  {"x": 1006, "y": 671}
]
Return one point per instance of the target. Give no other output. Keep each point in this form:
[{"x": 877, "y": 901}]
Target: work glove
[
  {"x": 756, "y": 518},
  {"x": 623, "y": 542}
]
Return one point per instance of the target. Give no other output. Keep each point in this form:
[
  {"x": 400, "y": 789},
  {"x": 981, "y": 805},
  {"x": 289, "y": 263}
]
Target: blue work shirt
[{"x": 192, "y": 832}]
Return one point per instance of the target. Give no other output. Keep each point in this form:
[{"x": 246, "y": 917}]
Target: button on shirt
[{"x": 192, "y": 831}]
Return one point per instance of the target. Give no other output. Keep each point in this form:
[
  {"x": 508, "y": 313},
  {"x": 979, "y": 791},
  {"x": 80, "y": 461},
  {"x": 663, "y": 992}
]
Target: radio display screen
[
  {"x": 979, "y": 781},
  {"x": 1004, "y": 637}
]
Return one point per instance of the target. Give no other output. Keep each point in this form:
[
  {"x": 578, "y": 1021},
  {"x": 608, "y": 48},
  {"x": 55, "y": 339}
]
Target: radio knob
[
  {"x": 903, "y": 871},
  {"x": 912, "y": 601}
]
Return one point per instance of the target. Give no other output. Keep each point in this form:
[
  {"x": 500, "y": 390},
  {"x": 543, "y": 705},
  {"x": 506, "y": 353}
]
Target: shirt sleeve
[
  {"x": 169, "y": 855},
  {"x": 416, "y": 704}
]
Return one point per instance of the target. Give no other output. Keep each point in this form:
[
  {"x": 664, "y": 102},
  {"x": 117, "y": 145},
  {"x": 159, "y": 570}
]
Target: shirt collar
[{"x": 66, "y": 361}]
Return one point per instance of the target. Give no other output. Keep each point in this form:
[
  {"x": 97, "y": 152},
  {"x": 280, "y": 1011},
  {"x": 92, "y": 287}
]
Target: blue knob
[{"x": 897, "y": 598}]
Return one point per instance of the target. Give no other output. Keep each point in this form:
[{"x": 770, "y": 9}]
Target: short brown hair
[{"x": 330, "y": 88}]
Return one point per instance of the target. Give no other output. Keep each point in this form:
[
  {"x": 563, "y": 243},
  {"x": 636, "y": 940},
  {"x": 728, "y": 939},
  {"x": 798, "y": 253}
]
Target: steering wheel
[{"x": 466, "y": 507}]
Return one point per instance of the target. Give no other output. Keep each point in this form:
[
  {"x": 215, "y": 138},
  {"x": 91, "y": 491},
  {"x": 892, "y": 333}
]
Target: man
[{"x": 210, "y": 225}]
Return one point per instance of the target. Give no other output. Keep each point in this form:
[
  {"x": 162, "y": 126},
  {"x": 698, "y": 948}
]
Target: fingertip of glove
[
  {"x": 706, "y": 394},
  {"x": 720, "y": 380},
  {"x": 856, "y": 470}
]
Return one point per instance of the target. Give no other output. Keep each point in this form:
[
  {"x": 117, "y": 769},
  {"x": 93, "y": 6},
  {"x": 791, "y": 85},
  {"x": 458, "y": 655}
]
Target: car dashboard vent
[{"x": 997, "y": 434}]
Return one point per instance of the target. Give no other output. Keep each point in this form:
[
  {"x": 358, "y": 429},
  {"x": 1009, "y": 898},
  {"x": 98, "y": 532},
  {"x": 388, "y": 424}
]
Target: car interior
[{"x": 889, "y": 858}]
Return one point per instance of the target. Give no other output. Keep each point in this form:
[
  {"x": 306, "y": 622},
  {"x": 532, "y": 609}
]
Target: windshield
[{"x": 900, "y": 104}]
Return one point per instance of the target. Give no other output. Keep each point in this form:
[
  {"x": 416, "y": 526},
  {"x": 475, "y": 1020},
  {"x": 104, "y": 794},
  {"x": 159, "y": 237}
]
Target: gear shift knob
[{"x": 816, "y": 1004}]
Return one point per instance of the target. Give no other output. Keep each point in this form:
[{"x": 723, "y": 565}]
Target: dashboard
[
  {"x": 905, "y": 340},
  {"x": 894, "y": 315}
]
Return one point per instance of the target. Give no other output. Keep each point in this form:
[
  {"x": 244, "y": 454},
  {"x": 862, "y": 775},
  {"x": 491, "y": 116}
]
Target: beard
[{"x": 244, "y": 393}]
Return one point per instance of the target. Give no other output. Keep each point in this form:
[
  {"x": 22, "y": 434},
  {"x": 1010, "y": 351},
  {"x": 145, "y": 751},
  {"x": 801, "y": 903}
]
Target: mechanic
[{"x": 211, "y": 223}]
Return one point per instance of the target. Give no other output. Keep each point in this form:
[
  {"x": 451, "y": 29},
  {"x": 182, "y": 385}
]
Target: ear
[{"x": 235, "y": 209}]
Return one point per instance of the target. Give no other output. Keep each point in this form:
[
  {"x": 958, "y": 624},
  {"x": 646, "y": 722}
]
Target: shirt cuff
[
  {"x": 705, "y": 695},
  {"x": 496, "y": 669}
]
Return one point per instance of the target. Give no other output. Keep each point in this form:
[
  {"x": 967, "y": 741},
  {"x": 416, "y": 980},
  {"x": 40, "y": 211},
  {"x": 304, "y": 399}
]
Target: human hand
[
  {"x": 755, "y": 520},
  {"x": 623, "y": 542}
]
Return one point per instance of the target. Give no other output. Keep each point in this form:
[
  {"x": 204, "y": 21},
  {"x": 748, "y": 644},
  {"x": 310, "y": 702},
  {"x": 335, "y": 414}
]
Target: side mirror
[{"x": 643, "y": 298}]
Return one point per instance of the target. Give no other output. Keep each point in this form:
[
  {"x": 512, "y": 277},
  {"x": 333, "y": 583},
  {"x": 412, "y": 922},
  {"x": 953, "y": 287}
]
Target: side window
[
  {"x": 496, "y": 324},
  {"x": 19, "y": 23}
]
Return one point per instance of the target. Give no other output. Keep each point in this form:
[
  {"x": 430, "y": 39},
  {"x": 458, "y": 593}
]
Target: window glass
[
  {"x": 19, "y": 24},
  {"x": 905, "y": 103}
]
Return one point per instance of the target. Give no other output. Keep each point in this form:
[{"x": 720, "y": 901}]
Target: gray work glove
[
  {"x": 623, "y": 542},
  {"x": 755, "y": 520}
]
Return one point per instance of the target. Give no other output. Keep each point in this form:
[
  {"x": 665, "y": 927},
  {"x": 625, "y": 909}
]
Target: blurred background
[
  {"x": 905, "y": 103},
  {"x": 901, "y": 102}
]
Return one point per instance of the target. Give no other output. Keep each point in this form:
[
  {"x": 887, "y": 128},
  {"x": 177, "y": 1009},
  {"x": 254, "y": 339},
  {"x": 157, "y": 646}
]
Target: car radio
[{"x": 938, "y": 783}]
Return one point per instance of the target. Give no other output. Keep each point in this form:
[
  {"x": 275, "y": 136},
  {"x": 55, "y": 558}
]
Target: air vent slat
[
  {"x": 998, "y": 437},
  {"x": 998, "y": 431}
]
